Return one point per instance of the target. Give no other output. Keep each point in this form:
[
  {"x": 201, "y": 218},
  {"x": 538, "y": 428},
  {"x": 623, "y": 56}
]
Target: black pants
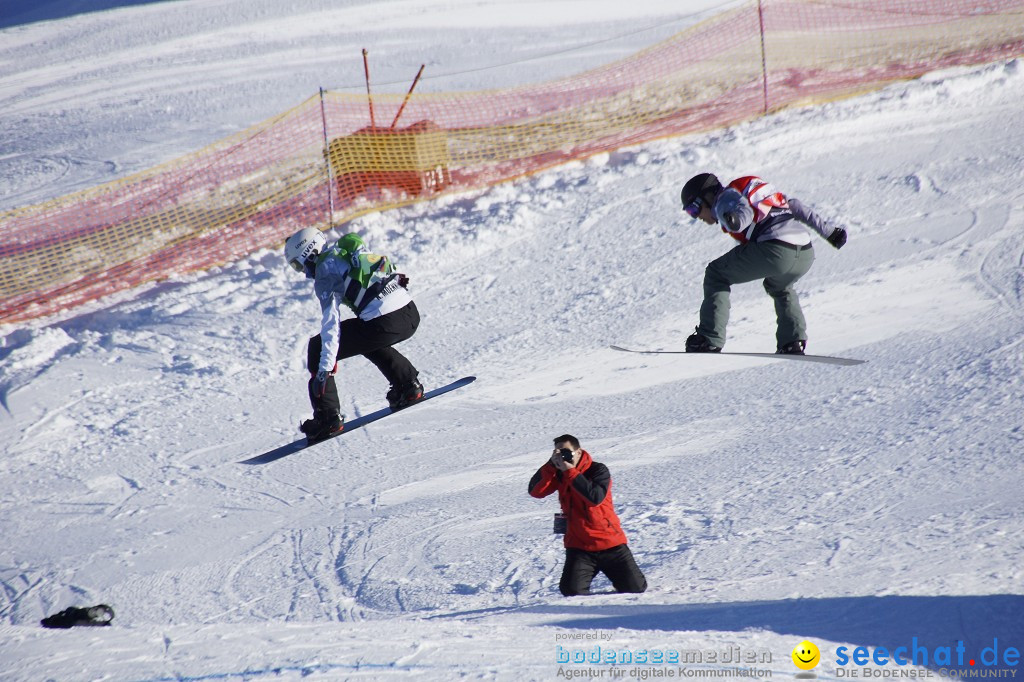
[
  {"x": 373, "y": 340},
  {"x": 616, "y": 563}
]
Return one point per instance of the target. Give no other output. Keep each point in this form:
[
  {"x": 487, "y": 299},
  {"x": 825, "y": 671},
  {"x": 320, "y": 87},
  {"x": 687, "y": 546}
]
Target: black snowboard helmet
[{"x": 703, "y": 186}]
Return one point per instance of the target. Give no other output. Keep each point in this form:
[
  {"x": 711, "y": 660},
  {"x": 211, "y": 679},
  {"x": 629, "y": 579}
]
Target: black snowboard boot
[
  {"x": 322, "y": 426},
  {"x": 698, "y": 343},
  {"x": 404, "y": 395},
  {"x": 792, "y": 348}
]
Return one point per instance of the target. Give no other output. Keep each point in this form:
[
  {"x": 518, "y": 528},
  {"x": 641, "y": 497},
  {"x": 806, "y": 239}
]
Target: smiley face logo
[{"x": 806, "y": 655}]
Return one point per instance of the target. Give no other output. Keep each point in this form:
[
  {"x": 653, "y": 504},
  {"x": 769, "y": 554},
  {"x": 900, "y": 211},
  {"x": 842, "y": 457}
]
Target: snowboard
[
  {"x": 350, "y": 426},
  {"x": 823, "y": 359}
]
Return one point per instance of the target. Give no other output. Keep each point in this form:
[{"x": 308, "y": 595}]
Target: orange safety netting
[{"x": 251, "y": 190}]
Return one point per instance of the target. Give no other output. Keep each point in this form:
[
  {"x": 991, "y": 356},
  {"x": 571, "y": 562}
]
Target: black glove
[
  {"x": 837, "y": 238},
  {"x": 403, "y": 281}
]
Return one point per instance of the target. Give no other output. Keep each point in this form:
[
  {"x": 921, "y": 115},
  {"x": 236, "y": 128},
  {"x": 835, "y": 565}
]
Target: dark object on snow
[{"x": 76, "y": 615}]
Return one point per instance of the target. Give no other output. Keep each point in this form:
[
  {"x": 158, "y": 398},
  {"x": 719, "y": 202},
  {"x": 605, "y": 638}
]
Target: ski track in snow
[{"x": 766, "y": 501}]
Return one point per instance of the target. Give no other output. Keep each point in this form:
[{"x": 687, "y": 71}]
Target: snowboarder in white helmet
[
  {"x": 773, "y": 247},
  {"x": 368, "y": 284}
]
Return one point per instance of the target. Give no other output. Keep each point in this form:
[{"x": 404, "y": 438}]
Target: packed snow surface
[{"x": 767, "y": 501}]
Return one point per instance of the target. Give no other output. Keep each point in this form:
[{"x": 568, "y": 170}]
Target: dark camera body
[{"x": 566, "y": 455}]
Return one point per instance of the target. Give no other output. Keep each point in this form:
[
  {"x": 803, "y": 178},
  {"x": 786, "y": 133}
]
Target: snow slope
[{"x": 766, "y": 501}]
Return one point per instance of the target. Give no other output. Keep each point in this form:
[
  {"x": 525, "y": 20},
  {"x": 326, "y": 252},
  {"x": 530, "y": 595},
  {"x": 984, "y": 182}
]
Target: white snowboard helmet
[{"x": 303, "y": 245}]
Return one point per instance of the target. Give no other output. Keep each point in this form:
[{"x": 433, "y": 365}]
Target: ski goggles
[
  {"x": 693, "y": 208},
  {"x": 296, "y": 265}
]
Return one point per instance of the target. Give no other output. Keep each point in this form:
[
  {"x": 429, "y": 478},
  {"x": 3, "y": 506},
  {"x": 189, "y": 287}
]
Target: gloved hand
[
  {"x": 837, "y": 238},
  {"x": 403, "y": 281},
  {"x": 319, "y": 384}
]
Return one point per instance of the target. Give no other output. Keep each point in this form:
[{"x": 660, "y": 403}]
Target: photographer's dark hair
[{"x": 571, "y": 440}]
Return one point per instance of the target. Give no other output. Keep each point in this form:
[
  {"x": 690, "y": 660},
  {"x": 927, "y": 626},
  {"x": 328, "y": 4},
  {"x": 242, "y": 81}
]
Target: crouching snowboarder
[
  {"x": 368, "y": 284},
  {"x": 773, "y": 246}
]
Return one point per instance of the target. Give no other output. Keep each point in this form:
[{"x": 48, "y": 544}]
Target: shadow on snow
[{"x": 890, "y": 622}]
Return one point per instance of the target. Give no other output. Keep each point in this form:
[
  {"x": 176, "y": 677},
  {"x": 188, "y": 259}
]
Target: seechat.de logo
[{"x": 917, "y": 654}]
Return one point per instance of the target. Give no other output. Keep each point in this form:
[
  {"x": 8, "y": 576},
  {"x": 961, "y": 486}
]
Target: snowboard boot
[
  {"x": 404, "y": 395},
  {"x": 792, "y": 348},
  {"x": 698, "y": 343},
  {"x": 322, "y": 426}
]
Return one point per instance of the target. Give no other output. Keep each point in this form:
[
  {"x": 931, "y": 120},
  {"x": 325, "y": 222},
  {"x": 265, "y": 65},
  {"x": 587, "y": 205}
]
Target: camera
[{"x": 566, "y": 455}]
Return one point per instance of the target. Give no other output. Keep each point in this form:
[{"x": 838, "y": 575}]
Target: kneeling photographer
[{"x": 594, "y": 540}]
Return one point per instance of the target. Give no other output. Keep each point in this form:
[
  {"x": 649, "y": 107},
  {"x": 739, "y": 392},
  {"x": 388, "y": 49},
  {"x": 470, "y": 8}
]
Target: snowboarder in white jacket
[{"x": 368, "y": 284}]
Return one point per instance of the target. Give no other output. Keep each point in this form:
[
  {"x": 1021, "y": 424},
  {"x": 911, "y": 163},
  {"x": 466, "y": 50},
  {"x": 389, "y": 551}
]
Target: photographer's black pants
[
  {"x": 373, "y": 340},
  {"x": 616, "y": 563}
]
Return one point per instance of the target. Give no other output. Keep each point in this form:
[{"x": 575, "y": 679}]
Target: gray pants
[{"x": 780, "y": 266}]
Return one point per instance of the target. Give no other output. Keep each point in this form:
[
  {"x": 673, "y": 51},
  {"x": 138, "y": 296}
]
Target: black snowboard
[
  {"x": 302, "y": 444},
  {"x": 824, "y": 359}
]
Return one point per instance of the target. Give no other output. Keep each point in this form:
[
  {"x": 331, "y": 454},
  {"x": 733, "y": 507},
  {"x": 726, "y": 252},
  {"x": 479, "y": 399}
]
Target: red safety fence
[{"x": 325, "y": 161}]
